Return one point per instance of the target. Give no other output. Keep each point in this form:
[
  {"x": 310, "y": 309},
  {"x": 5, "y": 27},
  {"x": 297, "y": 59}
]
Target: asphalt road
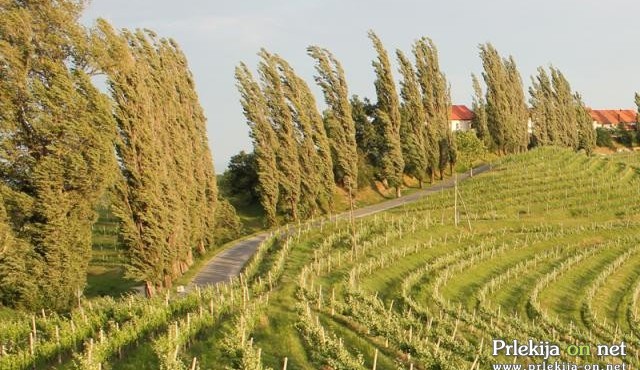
[{"x": 228, "y": 263}]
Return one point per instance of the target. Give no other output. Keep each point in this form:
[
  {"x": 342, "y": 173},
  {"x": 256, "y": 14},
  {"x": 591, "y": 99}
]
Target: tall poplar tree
[
  {"x": 437, "y": 105},
  {"x": 479, "y": 108},
  {"x": 559, "y": 116},
  {"x": 265, "y": 142},
  {"x": 543, "y": 112},
  {"x": 507, "y": 114},
  {"x": 586, "y": 133},
  {"x": 565, "y": 109},
  {"x": 519, "y": 113},
  {"x": 167, "y": 193},
  {"x": 413, "y": 129},
  {"x": 314, "y": 154},
  {"x": 340, "y": 127},
  {"x": 56, "y": 133},
  {"x": 282, "y": 122},
  {"x": 388, "y": 112}
]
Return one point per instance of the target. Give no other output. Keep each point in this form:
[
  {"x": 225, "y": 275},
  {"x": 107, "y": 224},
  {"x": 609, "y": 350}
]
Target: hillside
[{"x": 551, "y": 254}]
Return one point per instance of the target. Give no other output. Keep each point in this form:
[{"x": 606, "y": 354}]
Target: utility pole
[
  {"x": 351, "y": 215},
  {"x": 455, "y": 198}
]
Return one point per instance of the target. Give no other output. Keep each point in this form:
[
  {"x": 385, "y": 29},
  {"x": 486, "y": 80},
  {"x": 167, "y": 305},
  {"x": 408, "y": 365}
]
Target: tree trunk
[
  {"x": 421, "y": 183},
  {"x": 398, "y": 192},
  {"x": 201, "y": 248},
  {"x": 294, "y": 213},
  {"x": 149, "y": 289}
]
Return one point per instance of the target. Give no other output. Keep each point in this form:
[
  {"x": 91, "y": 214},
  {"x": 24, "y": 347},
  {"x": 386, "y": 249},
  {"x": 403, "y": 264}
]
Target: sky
[{"x": 593, "y": 42}]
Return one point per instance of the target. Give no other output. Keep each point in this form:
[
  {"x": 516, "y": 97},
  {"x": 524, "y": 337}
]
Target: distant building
[
  {"x": 461, "y": 118},
  {"x": 611, "y": 118}
]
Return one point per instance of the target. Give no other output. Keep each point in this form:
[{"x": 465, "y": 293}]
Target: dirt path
[{"x": 228, "y": 263}]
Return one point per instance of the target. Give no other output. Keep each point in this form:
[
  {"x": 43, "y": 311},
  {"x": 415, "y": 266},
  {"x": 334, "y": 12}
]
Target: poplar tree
[
  {"x": 565, "y": 110},
  {"x": 586, "y": 133},
  {"x": 507, "y": 114},
  {"x": 559, "y": 116},
  {"x": 413, "y": 129},
  {"x": 314, "y": 154},
  {"x": 479, "y": 107},
  {"x": 167, "y": 192},
  {"x": 543, "y": 112},
  {"x": 282, "y": 121},
  {"x": 55, "y": 143},
  {"x": 265, "y": 142},
  {"x": 388, "y": 112},
  {"x": 437, "y": 106},
  {"x": 340, "y": 127}
]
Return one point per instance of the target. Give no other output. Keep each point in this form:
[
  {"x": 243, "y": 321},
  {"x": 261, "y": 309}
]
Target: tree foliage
[
  {"x": 413, "y": 129},
  {"x": 167, "y": 192},
  {"x": 340, "y": 127},
  {"x": 56, "y": 132},
  {"x": 437, "y": 106},
  {"x": 507, "y": 114},
  {"x": 558, "y": 115},
  {"x": 388, "y": 115}
]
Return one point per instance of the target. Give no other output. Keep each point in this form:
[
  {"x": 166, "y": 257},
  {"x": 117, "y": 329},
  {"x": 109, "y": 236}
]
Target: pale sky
[{"x": 593, "y": 42}]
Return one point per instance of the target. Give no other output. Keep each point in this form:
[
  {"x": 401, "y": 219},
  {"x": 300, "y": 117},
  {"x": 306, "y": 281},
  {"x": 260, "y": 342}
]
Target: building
[
  {"x": 611, "y": 118},
  {"x": 461, "y": 118}
]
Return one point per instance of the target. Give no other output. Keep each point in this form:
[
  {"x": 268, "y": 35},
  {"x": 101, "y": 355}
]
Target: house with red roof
[
  {"x": 460, "y": 118},
  {"x": 611, "y": 118}
]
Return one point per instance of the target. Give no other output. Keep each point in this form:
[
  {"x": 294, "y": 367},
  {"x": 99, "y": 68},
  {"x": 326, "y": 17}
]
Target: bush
[
  {"x": 228, "y": 224},
  {"x": 603, "y": 138}
]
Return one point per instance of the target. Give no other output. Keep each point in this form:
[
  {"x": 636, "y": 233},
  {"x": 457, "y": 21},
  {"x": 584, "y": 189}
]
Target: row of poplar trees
[
  {"x": 302, "y": 154},
  {"x": 63, "y": 143},
  {"x": 503, "y": 120}
]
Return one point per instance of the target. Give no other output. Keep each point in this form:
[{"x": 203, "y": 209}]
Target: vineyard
[{"x": 546, "y": 248}]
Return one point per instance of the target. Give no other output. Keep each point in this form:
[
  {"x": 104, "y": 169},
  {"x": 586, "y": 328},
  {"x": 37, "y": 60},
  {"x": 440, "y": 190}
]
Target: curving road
[{"x": 228, "y": 263}]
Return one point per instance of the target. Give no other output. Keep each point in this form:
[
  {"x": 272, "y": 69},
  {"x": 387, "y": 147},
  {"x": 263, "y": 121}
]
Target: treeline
[
  {"x": 300, "y": 154},
  {"x": 406, "y": 132},
  {"x": 64, "y": 144}
]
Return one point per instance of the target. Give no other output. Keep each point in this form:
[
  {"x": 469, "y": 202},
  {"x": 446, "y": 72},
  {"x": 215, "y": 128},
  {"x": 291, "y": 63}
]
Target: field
[{"x": 546, "y": 248}]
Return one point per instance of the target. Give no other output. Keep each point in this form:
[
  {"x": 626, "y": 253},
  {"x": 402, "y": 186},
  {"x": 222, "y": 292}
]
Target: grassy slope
[
  {"x": 529, "y": 206},
  {"x": 543, "y": 194}
]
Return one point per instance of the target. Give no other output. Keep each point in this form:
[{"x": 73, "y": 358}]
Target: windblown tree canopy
[
  {"x": 506, "y": 109},
  {"x": 167, "y": 192},
  {"x": 56, "y": 154},
  {"x": 340, "y": 127},
  {"x": 413, "y": 129},
  {"x": 559, "y": 116},
  {"x": 388, "y": 116},
  {"x": 293, "y": 154},
  {"x": 437, "y": 106}
]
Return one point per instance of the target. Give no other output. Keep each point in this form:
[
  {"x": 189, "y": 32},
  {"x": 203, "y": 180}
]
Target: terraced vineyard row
[{"x": 551, "y": 254}]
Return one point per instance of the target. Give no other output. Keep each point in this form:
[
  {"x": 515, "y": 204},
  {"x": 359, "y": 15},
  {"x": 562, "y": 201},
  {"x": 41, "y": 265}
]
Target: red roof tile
[
  {"x": 614, "y": 117},
  {"x": 461, "y": 113}
]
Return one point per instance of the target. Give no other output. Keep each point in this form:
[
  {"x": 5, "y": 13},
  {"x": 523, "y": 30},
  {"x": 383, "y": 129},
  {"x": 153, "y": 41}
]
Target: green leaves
[
  {"x": 167, "y": 193},
  {"x": 388, "y": 112},
  {"x": 507, "y": 114},
  {"x": 56, "y": 132}
]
